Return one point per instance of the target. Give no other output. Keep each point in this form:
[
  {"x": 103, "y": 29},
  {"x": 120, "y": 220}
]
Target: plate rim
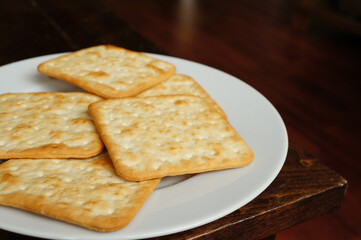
[{"x": 217, "y": 216}]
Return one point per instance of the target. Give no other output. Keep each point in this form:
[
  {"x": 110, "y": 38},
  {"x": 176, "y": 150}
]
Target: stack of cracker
[{"x": 153, "y": 123}]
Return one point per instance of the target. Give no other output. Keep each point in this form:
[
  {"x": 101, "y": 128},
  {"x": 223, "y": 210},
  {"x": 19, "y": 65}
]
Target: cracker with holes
[
  {"x": 84, "y": 192},
  {"x": 48, "y": 125},
  {"x": 108, "y": 71},
  {"x": 180, "y": 84},
  {"x": 157, "y": 136}
]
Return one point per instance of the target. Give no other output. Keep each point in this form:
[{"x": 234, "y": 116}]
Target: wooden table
[{"x": 303, "y": 190}]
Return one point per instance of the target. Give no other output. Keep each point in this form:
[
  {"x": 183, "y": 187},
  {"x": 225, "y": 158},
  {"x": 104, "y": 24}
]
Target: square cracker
[
  {"x": 180, "y": 84},
  {"x": 84, "y": 192},
  {"x": 47, "y": 125},
  {"x": 108, "y": 71},
  {"x": 159, "y": 136}
]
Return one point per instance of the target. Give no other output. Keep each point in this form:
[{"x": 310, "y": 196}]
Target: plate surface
[{"x": 181, "y": 203}]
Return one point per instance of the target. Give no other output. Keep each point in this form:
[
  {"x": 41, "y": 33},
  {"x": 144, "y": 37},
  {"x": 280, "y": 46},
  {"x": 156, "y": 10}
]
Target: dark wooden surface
[{"x": 312, "y": 77}]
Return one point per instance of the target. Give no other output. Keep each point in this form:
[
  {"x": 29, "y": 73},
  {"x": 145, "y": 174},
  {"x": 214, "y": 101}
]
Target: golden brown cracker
[
  {"x": 87, "y": 192},
  {"x": 109, "y": 71},
  {"x": 47, "y": 125},
  {"x": 159, "y": 136}
]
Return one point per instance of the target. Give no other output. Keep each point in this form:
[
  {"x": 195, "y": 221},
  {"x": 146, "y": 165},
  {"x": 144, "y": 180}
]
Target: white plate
[{"x": 179, "y": 203}]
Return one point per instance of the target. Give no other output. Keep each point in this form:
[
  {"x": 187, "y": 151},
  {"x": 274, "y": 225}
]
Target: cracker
[
  {"x": 87, "y": 192},
  {"x": 108, "y": 71},
  {"x": 159, "y": 136},
  {"x": 47, "y": 125},
  {"x": 183, "y": 85}
]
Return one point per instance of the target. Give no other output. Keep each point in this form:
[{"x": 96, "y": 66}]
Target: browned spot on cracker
[
  {"x": 181, "y": 102},
  {"x": 80, "y": 121},
  {"x": 94, "y": 53},
  {"x": 22, "y": 126},
  {"x": 59, "y": 96},
  {"x": 92, "y": 202},
  {"x": 9, "y": 178},
  {"x": 99, "y": 74}
]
